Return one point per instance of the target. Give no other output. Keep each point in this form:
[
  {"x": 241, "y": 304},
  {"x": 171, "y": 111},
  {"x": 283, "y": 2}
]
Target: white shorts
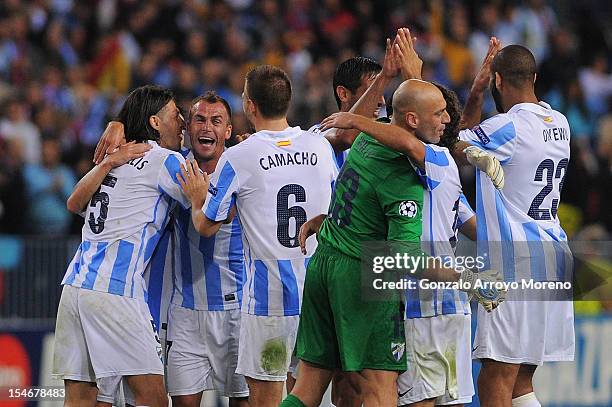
[
  {"x": 202, "y": 352},
  {"x": 529, "y": 332},
  {"x": 115, "y": 391},
  {"x": 438, "y": 359},
  {"x": 100, "y": 335},
  {"x": 266, "y": 346}
]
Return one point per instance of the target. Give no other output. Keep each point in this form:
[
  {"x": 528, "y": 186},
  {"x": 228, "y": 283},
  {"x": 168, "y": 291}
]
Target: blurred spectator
[
  {"x": 12, "y": 189},
  {"x": 48, "y": 186},
  {"x": 17, "y": 127},
  {"x": 596, "y": 83}
]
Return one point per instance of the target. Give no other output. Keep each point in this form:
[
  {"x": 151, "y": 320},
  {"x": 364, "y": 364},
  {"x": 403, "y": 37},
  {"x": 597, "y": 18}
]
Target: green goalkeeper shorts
[{"x": 338, "y": 329}]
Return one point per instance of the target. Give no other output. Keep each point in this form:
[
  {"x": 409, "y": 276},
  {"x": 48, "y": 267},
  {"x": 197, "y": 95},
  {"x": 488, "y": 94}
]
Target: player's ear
[
  {"x": 154, "y": 121},
  {"x": 412, "y": 120},
  {"x": 343, "y": 93},
  {"x": 228, "y": 132},
  {"x": 498, "y": 80}
]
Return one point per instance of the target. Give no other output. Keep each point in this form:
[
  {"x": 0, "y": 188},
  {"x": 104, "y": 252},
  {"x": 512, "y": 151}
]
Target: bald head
[
  {"x": 420, "y": 106},
  {"x": 412, "y": 95}
]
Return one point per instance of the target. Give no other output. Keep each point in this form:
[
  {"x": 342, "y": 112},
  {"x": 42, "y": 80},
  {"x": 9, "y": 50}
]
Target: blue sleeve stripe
[
  {"x": 435, "y": 157},
  {"x": 173, "y": 166},
  {"x": 156, "y": 277},
  {"x": 291, "y": 300},
  {"x": 120, "y": 267},
  {"x": 225, "y": 180},
  {"x": 507, "y": 245},
  {"x": 427, "y": 182},
  {"x": 448, "y": 302},
  {"x": 501, "y": 136},
  {"x": 481, "y": 225},
  {"x": 261, "y": 288},
  {"x": 96, "y": 261}
]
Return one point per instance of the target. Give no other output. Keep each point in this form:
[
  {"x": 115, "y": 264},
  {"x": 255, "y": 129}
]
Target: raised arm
[
  {"x": 89, "y": 184},
  {"x": 473, "y": 106},
  {"x": 390, "y": 135}
]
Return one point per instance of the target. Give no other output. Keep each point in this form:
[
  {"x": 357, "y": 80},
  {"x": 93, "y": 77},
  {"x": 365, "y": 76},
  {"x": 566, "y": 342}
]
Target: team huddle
[{"x": 198, "y": 269}]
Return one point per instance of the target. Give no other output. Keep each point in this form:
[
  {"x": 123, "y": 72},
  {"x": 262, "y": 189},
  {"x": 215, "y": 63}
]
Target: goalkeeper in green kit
[{"x": 377, "y": 197}]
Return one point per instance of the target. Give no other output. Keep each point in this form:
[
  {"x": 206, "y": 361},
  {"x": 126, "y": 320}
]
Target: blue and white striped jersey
[
  {"x": 124, "y": 223},
  {"x": 444, "y": 210},
  {"x": 209, "y": 273},
  {"x": 158, "y": 278},
  {"x": 532, "y": 141},
  {"x": 340, "y": 157},
  {"x": 277, "y": 180}
]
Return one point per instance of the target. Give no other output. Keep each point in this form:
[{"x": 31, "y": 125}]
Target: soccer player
[
  {"x": 275, "y": 179},
  {"x": 532, "y": 141},
  {"x": 351, "y": 79},
  {"x": 104, "y": 326},
  {"x": 208, "y": 275},
  {"x": 374, "y": 188},
  {"x": 437, "y": 322}
]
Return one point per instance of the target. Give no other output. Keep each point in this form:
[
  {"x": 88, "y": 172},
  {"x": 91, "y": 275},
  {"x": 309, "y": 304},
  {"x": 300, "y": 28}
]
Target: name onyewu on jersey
[
  {"x": 518, "y": 227},
  {"x": 124, "y": 222},
  {"x": 273, "y": 195},
  {"x": 208, "y": 272},
  {"x": 445, "y": 209}
]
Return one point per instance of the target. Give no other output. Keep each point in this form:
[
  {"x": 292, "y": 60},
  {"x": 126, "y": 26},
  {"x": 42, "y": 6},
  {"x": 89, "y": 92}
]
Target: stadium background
[{"x": 66, "y": 66}]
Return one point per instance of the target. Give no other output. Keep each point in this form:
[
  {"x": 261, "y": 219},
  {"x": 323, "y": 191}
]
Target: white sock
[{"x": 526, "y": 400}]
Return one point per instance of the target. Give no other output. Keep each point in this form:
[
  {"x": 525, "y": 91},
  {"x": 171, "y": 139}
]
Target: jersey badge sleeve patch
[
  {"x": 408, "y": 208},
  {"x": 484, "y": 139}
]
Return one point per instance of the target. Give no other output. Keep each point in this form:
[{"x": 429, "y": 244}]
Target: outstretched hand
[
  {"x": 481, "y": 81},
  {"x": 308, "y": 229},
  {"x": 409, "y": 61}
]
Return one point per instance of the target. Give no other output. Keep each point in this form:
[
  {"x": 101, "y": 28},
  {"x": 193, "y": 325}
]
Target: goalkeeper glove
[
  {"x": 488, "y": 296},
  {"x": 487, "y": 164}
]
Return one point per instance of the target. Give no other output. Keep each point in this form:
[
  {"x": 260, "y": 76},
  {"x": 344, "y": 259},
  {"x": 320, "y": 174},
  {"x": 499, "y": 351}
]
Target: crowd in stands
[{"x": 66, "y": 66}]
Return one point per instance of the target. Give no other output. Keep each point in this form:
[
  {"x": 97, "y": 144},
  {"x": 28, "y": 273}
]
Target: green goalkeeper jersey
[{"x": 377, "y": 197}]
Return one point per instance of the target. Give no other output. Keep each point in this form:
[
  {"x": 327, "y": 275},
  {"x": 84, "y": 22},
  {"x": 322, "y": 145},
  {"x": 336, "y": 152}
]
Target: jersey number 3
[
  {"x": 97, "y": 224},
  {"x": 284, "y": 213},
  {"x": 547, "y": 165}
]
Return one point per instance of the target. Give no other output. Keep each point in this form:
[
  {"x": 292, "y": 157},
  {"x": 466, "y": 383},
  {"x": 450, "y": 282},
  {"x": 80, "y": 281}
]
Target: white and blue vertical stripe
[
  {"x": 118, "y": 267},
  {"x": 209, "y": 273},
  {"x": 440, "y": 221}
]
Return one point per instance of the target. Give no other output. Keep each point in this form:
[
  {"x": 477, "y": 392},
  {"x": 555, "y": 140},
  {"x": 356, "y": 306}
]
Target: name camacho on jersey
[
  {"x": 445, "y": 209},
  {"x": 532, "y": 141},
  {"x": 124, "y": 222},
  {"x": 209, "y": 272},
  {"x": 277, "y": 180}
]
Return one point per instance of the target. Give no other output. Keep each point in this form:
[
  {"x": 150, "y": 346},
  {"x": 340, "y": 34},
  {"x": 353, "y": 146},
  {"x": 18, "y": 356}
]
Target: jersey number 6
[{"x": 284, "y": 213}]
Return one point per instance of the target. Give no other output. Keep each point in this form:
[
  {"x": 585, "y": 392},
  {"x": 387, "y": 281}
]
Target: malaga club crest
[
  {"x": 408, "y": 208},
  {"x": 397, "y": 350}
]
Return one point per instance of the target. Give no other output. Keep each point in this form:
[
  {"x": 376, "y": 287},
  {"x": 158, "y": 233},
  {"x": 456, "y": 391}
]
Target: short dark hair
[
  {"x": 142, "y": 103},
  {"x": 270, "y": 89},
  {"x": 211, "y": 97},
  {"x": 516, "y": 65},
  {"x": 454, "y": 110},
  {"x": 350, "y": 73}
]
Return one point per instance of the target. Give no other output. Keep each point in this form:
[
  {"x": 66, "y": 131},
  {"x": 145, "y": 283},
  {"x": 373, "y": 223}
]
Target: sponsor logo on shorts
[
  {"x": 402, "y": 394},
  {"x": 484, "y": 139},
  {"x": 408, "y": 208},
  {"x": 397, "y": 350}
]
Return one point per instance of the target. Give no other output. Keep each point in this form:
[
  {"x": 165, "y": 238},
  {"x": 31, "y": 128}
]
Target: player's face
[
  {"x": 433, "y": 118},
  {"x": 209, "y": 127},
  {"x": 366, "y": 81},
  {"x": 171, "y": 127}
]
